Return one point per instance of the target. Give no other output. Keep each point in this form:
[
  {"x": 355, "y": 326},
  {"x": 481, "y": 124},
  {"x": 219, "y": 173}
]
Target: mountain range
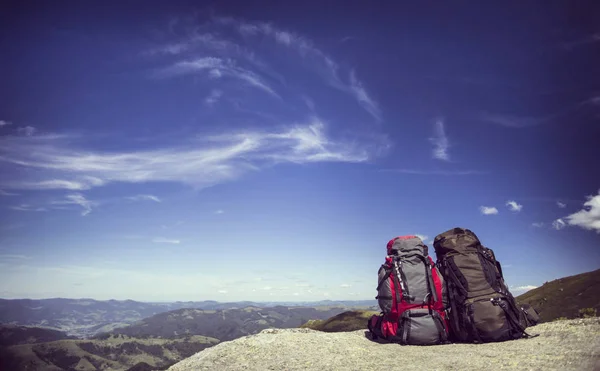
[
  {"x": 138, "y": 336},
  {"x": 87, "y": 317}
]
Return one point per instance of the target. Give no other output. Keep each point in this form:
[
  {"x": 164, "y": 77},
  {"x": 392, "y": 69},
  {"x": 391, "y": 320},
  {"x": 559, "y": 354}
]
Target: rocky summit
[{"x": 561, "y": 345}]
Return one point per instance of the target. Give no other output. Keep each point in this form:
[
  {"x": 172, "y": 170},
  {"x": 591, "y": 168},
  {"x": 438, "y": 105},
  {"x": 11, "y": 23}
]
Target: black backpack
[{"x": 482, "y": 309}]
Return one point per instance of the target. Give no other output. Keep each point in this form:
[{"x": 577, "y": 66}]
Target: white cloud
[
  {"x": 363, "y": 98},
  {"x": 4, "y": 193},
  {"x": 486, "y": 210},
  {"x": 27, "y": 130},
  {"x": 166, "y": 240},
  {"x": 220, "y": 212},
  {"x": 267, "y": 288},
  {"x": 345, "y": 285},
  {"x": 513, "y": 121},
  {"x": 538, "y": 225},
  {"x": 589, "y": 217},
  {"x": 79, "y": 199},
  {"x": 200, "y": 163},
  {"x": 218, "y": 67},
  {"x": 440, "y": 142},
  {"x": 222, "y": 291},
  {"x": 213, "y": 97},
  {"x": 561, "y": 204},
  {"x": 310, "y": 54},
  {"x": 522, "y": 289},
  {"x": 80, "y": 184},
  {"x": 144, "y": 198},
  {"x": 27, "y": 207},
  {"x": 422, "y": 237},
  {"x": 5, "y": 123},
  {"x": 514, "y": 206},
  {"x": 558, "y": 224}
]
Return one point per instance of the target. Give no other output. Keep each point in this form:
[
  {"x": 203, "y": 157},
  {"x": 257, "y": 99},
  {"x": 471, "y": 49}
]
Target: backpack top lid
[
  {"x": 455, "y": 240},
  {"x": 406, "y": 243}
]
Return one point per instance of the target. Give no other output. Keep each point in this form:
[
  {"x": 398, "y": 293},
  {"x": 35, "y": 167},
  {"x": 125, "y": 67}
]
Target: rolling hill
[
  {"x": 86, "y": 317},
  {"x": 113, "y": 353},
  {"x": 17, "y": 335},
  {"x": 564, "y": 297},
  {"x": 226, "y": 324}
]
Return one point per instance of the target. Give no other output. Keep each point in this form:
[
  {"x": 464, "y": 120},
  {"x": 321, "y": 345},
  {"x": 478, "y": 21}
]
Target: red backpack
[{"x": 411, "y": 295}]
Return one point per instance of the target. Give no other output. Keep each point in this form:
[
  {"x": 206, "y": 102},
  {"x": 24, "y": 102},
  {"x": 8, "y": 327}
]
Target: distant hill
[
  {"x": 226, "y": 324},
  {"x": 346, "y": 321},
  {"x": 87, "y": 317},
  {"x": 113, "y": 353},
  {"x": 564, "y": 297},
  {"x": 16, "y": 335}
]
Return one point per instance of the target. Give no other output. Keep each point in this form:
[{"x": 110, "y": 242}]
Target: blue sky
[{"x": 230, "y": 151}]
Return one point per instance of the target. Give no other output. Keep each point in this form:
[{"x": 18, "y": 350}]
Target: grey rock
[{"x": 561, "y": 345}]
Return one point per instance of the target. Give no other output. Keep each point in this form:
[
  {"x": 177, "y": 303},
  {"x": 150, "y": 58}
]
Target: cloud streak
[
  {"x": 440, "y": 142},
  {"x": 311, "y": 55},
  {"x": 516, "y": 122},
  {"x": 144, "y": 198},
  {"x": 199, "y": 163},
  {"x": 166, "y": 240},
  {"x": 215, "y": 67}
]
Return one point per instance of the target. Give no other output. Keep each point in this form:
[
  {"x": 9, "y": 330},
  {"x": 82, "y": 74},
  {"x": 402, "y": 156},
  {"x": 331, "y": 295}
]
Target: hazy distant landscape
[{"x": 134, "y": 335}]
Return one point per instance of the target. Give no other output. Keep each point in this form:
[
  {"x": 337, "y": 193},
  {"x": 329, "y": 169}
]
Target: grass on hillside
[
  {"x": 115, "y": 352},
  {"x": 565, "y": 297}
]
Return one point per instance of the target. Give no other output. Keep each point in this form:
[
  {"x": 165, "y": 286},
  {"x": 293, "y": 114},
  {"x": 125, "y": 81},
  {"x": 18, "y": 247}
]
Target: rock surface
[{"x": 561, "y": 345}]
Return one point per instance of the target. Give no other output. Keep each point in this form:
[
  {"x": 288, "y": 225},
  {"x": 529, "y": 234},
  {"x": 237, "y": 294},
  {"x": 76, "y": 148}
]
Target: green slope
[
  {"x": 564, "y": 297},
  {"x": 114, "y": 353}
]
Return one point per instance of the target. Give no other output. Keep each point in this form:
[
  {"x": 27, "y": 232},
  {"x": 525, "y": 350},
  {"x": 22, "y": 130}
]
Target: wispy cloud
[
  {"x": 487, "y": 210},
  {"x": 562, "y": 205},
  {"x": 77, "y": 184},
  {"x": 311, "y": 54},
  {"x": 79, "y": 199},
  {"x": 200, "y": 163},
  {"x": 363, "y": 98},
  {"x": 4, "y": 193},
  {"x": 558, "y": 224},
  {"x": 213, "y": 97},
  {"x": 27, "y": 130},
  {"x": 13, "y": 257},
  {"x": 220, "y": 212},
  {"x": 166, "y": 240},
  {"x": 514, "y": 206},
  {"x": 5, "y": 123},
  {"x": 436, "y": 172},
  {"x": 521, "y": 289},
  {"x": 588, "y": 217},
  {"x": 27, "y": 207},
  {"x": 514, "y": 121},
  {"x": 590, "y": 39},
  {"x": 440, "y": 142},
  {"x": 216, "y": 67},
  {"x": 538, "y": 225},
  {"x": 422, "y": 237},
  {"x": 345, "y": 285},
  {"x": 144, "y": 198}
]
